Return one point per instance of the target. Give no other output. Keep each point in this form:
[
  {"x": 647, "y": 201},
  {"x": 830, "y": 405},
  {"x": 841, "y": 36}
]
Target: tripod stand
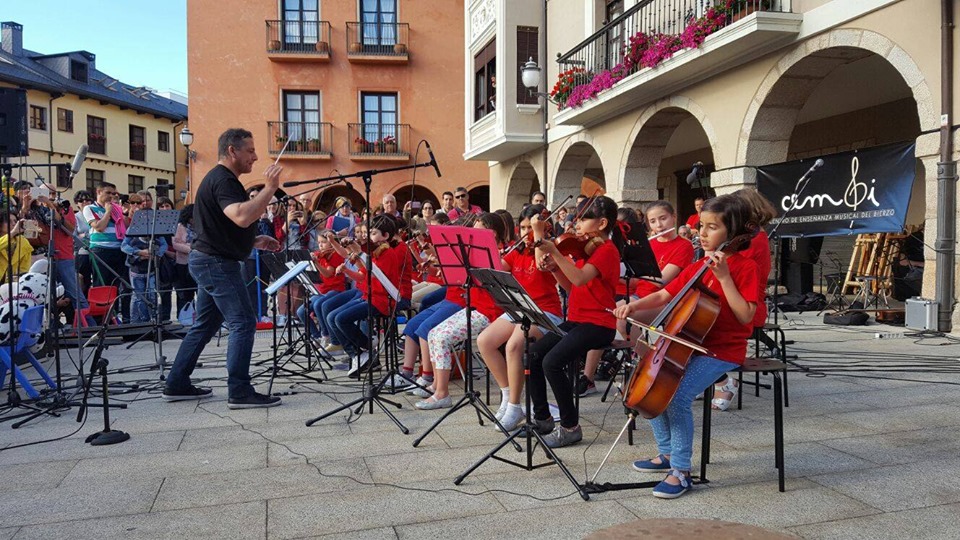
[
  {"x": 460, "y": 251},
  {"x": 514, "y": 300},
  {"x": 371, "y": 392}
]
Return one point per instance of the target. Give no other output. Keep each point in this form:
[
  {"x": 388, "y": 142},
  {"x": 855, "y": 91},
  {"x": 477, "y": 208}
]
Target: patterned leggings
[{"x": 444, "y": 337}]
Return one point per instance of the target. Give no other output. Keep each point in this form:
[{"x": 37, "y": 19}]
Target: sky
[{"x": 140, "y": 42}]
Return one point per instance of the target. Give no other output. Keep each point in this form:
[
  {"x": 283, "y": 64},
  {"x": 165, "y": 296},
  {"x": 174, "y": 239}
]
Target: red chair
[{"x": 100, "y": 300}]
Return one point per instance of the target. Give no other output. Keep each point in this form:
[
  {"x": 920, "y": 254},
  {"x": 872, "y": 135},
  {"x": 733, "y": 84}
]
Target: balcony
[
  {"x": 628, "y": 54},
  {"x": 303, "y": 140},
  {"x": 298, "y": 41},
  {"x": 376, "y": 43},
  {"x": 379, "y": 142}
]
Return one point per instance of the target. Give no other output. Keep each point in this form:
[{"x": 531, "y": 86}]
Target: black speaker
[{"x": 13, "y": 122}]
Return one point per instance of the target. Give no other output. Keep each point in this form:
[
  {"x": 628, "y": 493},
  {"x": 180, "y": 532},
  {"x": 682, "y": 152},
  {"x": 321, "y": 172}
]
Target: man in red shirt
[
  {"x": 694, "y": 220},
  {"x": 462, "y": 205}
]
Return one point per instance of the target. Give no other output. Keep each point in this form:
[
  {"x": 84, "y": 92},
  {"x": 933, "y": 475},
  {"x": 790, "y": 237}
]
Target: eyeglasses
[{"x": 462, "y": 196}]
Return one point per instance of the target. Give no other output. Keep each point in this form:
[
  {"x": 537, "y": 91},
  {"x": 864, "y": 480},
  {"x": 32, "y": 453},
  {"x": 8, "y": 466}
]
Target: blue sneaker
[
  {"x": 647, "y": 465},
  {"x": 663, "y": 490}
]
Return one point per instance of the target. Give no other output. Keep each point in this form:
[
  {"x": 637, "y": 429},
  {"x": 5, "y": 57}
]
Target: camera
[{"x": 64, "y": 204}]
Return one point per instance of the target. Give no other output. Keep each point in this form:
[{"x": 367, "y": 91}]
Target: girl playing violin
[
  {"x": 346, "y": 323},
  {"x": 327, "y": 261},
  {"x": 592, "y": 283},
  {"x": 542, "y": 287},
  {"x": 443, "y": 339},
  {"x": 733, "y": 278}
]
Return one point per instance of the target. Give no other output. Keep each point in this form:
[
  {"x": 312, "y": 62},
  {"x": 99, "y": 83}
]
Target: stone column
[{"x": 730, "y": 180}]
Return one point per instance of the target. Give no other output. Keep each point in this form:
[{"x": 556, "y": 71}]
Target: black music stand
[
  {"x": 514, "y": 300},
  {"x": 282, "y": 281},
  {"x": 153, "y": 223},
  {"x": 461, "y": 251}
]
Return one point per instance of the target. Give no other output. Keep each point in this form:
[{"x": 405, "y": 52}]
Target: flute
[{"x": 659, "y": 234}]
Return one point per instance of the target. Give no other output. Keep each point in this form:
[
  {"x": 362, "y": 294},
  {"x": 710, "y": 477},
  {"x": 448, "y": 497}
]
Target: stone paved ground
[{"x": 865, "y": 458}]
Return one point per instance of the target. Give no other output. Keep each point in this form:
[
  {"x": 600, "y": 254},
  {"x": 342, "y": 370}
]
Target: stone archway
[
  {"x": 579, "y": 161},
  {"x": 654, "y": 155},
  {"x": 772, "y": 115},
  {"x": 523, "y": 182}
]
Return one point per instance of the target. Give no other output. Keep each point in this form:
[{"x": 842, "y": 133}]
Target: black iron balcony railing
[
  {"x": 303, "y": 37},
  {"x": 377, "y": 39},
  {"x": 607, "y": 48},
  {"x": 301, "y": 138},
  {"x": 388, "y": 140}
]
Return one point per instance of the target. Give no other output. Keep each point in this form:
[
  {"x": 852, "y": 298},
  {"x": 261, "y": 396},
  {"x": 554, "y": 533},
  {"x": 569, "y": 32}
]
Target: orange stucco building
[{"x": 345, "y": 86}]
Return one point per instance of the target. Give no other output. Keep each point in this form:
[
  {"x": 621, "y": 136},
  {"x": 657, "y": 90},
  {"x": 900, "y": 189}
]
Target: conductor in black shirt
[{"x": 225, "y": 222}]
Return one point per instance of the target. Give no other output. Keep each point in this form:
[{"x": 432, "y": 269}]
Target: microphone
[
  {"x": 433, "y": 160},
  {"x": 696, "y": 173},
  {"x": 163, "y": 186},
  {"x": 78, "y": 160}
]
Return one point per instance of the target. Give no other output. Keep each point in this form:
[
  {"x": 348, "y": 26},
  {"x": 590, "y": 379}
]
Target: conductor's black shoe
[
  {"x": 253, "y": 401},
  {"x": 192, "y": 392}
]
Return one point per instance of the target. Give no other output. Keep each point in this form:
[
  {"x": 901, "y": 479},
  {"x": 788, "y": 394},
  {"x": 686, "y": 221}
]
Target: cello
[{"x": 686, "y": 321}]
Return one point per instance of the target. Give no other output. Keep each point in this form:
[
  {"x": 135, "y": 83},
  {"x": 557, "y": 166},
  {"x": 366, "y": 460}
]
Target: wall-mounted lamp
[
  {"x": 186, "y": 139},
  {"x": 530, "y": 75}
]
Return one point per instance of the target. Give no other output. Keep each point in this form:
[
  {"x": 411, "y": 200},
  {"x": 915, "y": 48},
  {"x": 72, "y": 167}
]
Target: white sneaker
[
  {"x": 359, "y": 363},
  {"x": 420, "y": 381},
  {"x": 324, "y": 341},
  {"x": 512, "y": 419},
  {"x": 397, "y": 381},
  {"x": 502, "y": 409}
]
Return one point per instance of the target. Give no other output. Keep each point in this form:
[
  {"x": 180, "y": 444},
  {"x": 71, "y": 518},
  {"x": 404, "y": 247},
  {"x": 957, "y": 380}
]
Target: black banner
[{"x": 856, "y": 192}]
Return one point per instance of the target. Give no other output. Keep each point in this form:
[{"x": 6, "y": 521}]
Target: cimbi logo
[{"x": 857, "y": 193}]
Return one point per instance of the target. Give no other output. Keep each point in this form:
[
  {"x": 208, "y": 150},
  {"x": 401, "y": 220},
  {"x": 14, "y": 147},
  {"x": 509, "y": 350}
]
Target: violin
[
  {"x": 579, "y": 246},
  {"x": 686, "y": 321},
  {"x": 527, "y": 239}
]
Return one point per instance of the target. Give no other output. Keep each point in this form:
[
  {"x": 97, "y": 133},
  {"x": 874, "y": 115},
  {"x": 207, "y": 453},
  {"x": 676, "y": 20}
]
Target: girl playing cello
[{"x": 733, "y": 278}]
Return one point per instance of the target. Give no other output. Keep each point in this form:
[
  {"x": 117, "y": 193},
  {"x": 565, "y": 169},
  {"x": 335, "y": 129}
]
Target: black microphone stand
[{"x": 371, "y": 392}]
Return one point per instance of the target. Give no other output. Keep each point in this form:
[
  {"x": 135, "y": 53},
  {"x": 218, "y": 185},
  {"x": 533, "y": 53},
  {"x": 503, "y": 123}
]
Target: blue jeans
[
  {"x": 143, "y": 305},
  {"x": 673, "y": 429},
  {"x": 435, "y": 297},
  {"x": 316, "y": 303},
  {"x": 329, "y": 310},
  {"x": 67, "y": 276},
  {"x": 221, "y": 296},
  {"x": 428, "y": 318},
  {"x": 347, "y": 323}
]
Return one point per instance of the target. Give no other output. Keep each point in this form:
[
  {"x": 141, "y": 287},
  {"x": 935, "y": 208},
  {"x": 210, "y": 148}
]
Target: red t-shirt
[
  {"x": 678, "y": 251},
  {"x": 540, "y": 285},
  {"x": 694, "y": 221},
  {"x": 727, "y": 340},
  {"x": 483, "y": 302},
  {"x": 589, "y": 303},
  {"x": 335, "y": 282},
  {"x": 405, "y": 264},
  {"x": 759, "y": 251},
  {"x": 381, "y": 299},
  {"x": 63, "y": 242},
  {"x": 456, "y": 295}
]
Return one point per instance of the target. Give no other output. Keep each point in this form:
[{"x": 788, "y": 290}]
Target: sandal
[{"x": 731, "y": 386}]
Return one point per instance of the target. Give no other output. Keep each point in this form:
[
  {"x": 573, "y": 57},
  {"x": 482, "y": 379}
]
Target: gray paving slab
[
  {"x": 8, "y": 533},
  {"x": 21, "y": 476},
  {"x": 741, "y": 466},
  {"x": 932, "y": 523},
  {"x": 909, "y": 417},
  {"x": 169, "y": 464},
  {"x": 380, "y": 533},
  {"x": 108, "y": 497},
  {"x": 899, "y": 487},
  {"x": 756, "y": 504},
  {"x": 569, "y": 521},
  {"x": 75, "y": 448},
  {"x": 240, "y": 521},
  {"x": 795, "y": 430},
  {"x": 259, "y": 484},
  {"x": 371, "y": 508},
  {"x": 195, "y": 439},
  {"x": 902, "y": 446}
]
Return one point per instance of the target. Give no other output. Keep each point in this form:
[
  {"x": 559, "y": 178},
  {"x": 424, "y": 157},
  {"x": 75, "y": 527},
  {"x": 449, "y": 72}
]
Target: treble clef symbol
[{"x": 854, "y": 187}]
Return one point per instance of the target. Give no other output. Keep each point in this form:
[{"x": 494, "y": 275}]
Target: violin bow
[{"x": 665, "y": 335}]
